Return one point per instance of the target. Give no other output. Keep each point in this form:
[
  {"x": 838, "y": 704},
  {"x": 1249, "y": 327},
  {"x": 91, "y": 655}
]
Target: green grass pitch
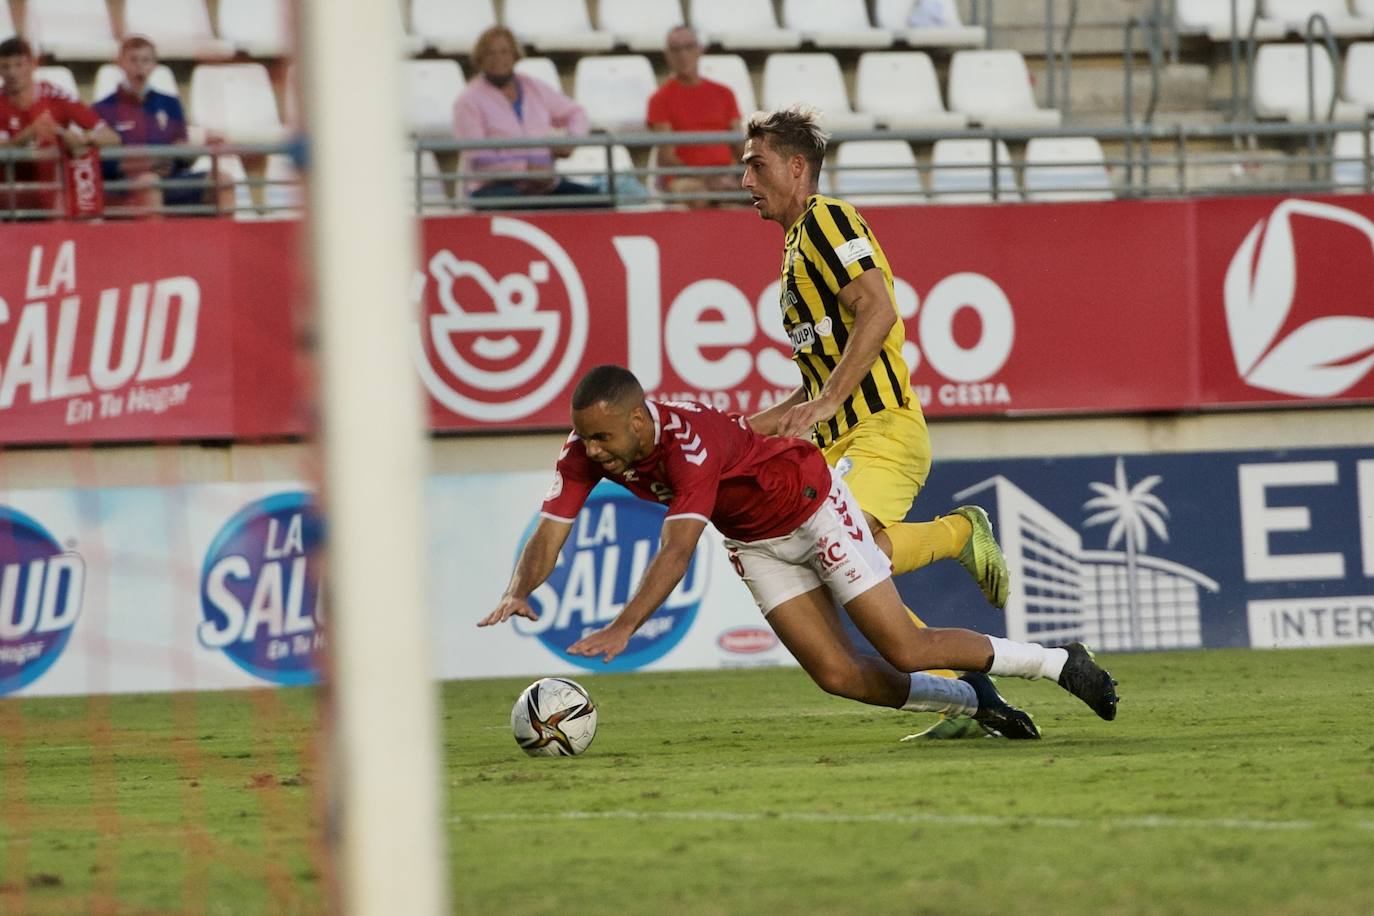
[{"x": 1232, "y": 782}]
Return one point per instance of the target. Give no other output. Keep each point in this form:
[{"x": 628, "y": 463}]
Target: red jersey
[
  {"x": 66, "y": 111},
  {"x": 707, "y": 106},
  {"x": 708, "y": 465}
]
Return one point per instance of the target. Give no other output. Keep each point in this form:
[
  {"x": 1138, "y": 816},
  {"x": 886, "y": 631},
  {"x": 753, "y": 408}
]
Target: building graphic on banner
[{"x": 1110, "y": 599}]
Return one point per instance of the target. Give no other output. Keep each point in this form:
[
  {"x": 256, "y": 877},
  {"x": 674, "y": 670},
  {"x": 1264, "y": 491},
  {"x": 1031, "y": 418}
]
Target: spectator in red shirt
[
  {"x": 688, "y": 102},
  {"x": 38, "y": 115}
]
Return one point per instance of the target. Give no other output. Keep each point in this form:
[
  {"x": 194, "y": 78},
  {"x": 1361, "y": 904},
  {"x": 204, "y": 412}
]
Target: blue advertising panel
[{"x": 1267, "y": 549}]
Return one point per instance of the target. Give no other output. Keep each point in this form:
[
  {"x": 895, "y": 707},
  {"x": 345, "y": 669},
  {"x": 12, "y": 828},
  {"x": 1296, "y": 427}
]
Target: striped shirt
[{"x": 828, "y": 246}]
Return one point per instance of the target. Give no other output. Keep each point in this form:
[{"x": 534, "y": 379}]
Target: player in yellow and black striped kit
[{"x": 855, "y": 400}]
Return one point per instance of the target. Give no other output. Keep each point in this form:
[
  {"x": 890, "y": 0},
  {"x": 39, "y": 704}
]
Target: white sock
[
  {"x": 941, "y": 694},
  {"x": 1029, "y": 660}
]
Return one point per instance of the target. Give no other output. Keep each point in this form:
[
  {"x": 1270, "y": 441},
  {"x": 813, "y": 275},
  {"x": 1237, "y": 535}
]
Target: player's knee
[{"x": 840, "y": 679}]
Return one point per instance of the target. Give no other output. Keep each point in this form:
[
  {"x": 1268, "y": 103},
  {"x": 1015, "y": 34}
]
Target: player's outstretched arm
[
  {"x": 536, "y": 562},
  {"x": 765, "y": 422},
  {"x": 679, "y": 541}
]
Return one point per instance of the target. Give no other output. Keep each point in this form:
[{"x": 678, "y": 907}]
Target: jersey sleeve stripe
[
  {"x": 676, "y": 515},
  {"x": 557, "y": 518}
]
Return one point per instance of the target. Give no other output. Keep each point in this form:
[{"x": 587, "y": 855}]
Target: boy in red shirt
[
  {"x": 688, "y": 102},
  {"x": 38, "y": 115}
]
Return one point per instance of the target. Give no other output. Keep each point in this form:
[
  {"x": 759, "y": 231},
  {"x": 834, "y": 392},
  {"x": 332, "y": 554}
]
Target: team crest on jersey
[{"x": 555, "y": 488}]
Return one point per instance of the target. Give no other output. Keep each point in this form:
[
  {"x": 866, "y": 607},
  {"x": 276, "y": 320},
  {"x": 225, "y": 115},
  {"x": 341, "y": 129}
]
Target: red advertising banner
[{"x": 189, "y": 329}]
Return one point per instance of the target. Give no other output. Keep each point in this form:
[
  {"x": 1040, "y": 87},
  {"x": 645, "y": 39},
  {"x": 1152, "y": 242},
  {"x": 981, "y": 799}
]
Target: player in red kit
[
  {"x": 38, "y": 114},
  {"x": 797, "y": 538}
]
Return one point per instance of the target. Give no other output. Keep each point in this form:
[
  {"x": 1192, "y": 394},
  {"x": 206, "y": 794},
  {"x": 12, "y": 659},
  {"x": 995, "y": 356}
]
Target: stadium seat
[
  {"x": 994, "y": 89},
  {"x": 555, "y": 25},
  {"x": 1281, "y": 84},
  {"x": 587, "y": 165},
  {"x": 876, "y": 172},
  {"x": 892, "y": 15},
  {"x": 961, "y": 172},
  {"x": 642, "y": 25},
  {"x": 1357, "y": 80},
  {"x": 1295, "y": 13},
  {"x": 541, "y": 68},
  {"x": 834, "y": 24},
  {"x": 433, "y": 198},
  {"x": 1364, "y": 9},
  {"x": 449, "y": 27},
  {"x": 814, "y": 79},
  {"x": 615, "y": 90},
  {"x": 232, "y": 166},
  {"x": 59, "y": 78},
  {"x": 179, "y": 28},
  {"x": 1066, "y": 168},
  {"x": 237, "y": 101},
  {"x": 732, "y": 71},
  {"x": 283, "y": 193},
  {"x": 900, "y": 89},
  {"x": 741, "y": 25},
  {"x": 109, "y": 76},
  {"x": 258, "y": 28},
  {"x": 1350, "y": 173},
  {"x": 431, "y": 88},
  {"x": 73, "y": 30},
  {"x": 1213, "y": 19}
]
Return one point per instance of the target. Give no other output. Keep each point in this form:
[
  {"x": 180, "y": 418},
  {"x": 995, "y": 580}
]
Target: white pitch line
[{"x": 1151, "y": 822}]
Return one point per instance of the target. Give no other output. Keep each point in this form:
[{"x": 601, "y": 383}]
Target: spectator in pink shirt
[{"x": 499, "y": 102}]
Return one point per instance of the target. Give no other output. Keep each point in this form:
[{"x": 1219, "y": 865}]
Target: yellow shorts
[{"x": 889, "y": 458}]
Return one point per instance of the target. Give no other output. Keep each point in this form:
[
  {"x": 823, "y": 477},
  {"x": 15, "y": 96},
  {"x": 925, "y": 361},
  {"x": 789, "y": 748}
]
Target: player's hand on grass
[
  {"x": 799, "y": 420},
  {"x": 508, "y": 608},
  {"x": 608, "y": 643}
]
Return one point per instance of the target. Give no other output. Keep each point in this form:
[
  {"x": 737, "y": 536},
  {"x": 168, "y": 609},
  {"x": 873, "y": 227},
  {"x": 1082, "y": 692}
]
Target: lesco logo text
[
  {"x": 1320, "y": 358},
  {"x": 260, "y": 590},
  {"x": 40, "y": 599},
  {"x": 613, "y": 539},
  {"x": 501, "y": 348}
]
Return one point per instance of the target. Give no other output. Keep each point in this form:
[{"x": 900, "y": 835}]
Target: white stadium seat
[
  {"x": 259, "y": 28},
  {"x": 71, "y": 29},
  {"x": 834, "y": 23},
  {"x": 449, "y": 27},
  {"x": 1213, "y": 19},
  {"x": 555, "y": 25},
  {"x": 814, "y": 79},
  {"x": 1363, "y": 8},
  {"x": 59, "y": 78},
  {"x": 900, "y": 89},
  {"x": 237, "y": 101},
  {"x": 109, "y": 76},
  {"x": 731, "y": 70},
  {"x": 283, "y": 194},
  {"x": 587, "y": 165},
  {"x": 431, "y": 88},
  {"x": 615, "y": 90},
  {"x": 1295, "y": 13},
  {"x": 892, "y": 14},
  {"x": 1357, "y": 78},
  {"x": 741, "y": 25},
  {"x": 433, "y": 196},
  {"x": 1281, "y": 84},
  {"x": 876, "y": 172},
  {"x": 1349, "y": 146},
  {"x": 179, "y": 28},
  {"x": 994, "y": 89},
  {"x": 231, "y": 166},
  {"x": 541, "y": 68},
  {"x": 961, "y": 172},
  {"x": 7, "y": 21},
  {"x": 1066, "y": 168},
  {"x": 640, "y": 24}
]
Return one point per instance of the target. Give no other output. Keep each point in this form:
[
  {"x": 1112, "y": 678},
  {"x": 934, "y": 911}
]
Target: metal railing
[{"x": 1154, "y": 160}]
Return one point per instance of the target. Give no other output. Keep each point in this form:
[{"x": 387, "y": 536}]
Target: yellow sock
[
  {"x": 920, "y": 624},
  {"x": 917, "y": 544}
]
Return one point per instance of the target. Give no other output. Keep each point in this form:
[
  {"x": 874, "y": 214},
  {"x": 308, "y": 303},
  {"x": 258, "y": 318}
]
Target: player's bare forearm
[
  {"x": 874, "y": 315},
  {"x": 765, "y": 422},
  {"x": 536, "y": 563}
]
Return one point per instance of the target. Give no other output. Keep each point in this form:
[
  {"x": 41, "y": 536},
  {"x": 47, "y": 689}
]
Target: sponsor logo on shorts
[
  {"x": 41, "y": 587},
  {"x": 830, "y": 554}
]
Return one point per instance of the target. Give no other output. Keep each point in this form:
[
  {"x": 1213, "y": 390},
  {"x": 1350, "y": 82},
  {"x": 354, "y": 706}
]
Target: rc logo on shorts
[
  {"x": 612, "y": 542},
  {"x": 501, "y": 348},
  {"x": 1320, "y": 358},
  {"x": 260, "y": 589},
  {"x": 40, "y": 599}
]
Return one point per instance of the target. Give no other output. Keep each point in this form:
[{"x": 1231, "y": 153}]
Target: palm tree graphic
[{"x": 1133, "y": 511}]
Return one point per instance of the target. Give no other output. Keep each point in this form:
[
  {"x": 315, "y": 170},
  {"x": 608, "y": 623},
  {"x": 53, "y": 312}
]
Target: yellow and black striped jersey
[{"x": 828, "y": 246}]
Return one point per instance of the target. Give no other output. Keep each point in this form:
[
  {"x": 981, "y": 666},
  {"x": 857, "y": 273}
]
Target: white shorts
[{"x": 833, "y": 548}]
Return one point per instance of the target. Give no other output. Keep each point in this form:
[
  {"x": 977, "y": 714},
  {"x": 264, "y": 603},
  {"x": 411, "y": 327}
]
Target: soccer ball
[{"x": 553, "y": 717}]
